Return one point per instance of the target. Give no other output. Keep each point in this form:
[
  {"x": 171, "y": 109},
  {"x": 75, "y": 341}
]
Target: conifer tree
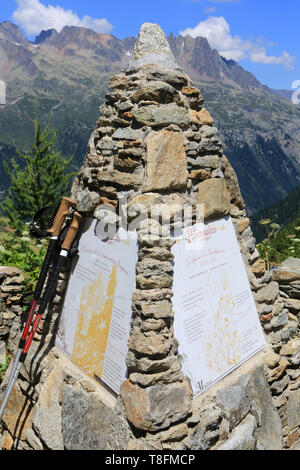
[{"x": 41, "y": 181}]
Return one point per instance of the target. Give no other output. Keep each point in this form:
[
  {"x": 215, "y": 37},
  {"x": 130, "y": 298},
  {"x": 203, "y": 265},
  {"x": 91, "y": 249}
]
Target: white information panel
[
  {"x": 95, "y": 321},
  {"x": 215, "y": 317}
]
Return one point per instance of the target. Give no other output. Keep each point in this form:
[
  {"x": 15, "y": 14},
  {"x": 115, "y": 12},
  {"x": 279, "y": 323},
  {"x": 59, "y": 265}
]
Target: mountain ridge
[{"x": 222, "y": 68}]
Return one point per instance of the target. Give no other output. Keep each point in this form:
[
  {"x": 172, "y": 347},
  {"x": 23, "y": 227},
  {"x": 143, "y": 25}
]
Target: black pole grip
[
  {"x": 22, "y": 357},
  {"x": 44, "y": 269},
  {"x": 51, "y": 285}
]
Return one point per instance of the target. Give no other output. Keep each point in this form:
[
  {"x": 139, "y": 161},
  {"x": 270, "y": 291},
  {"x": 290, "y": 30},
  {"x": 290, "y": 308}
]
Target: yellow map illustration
[
  {"x": 222, "y": 346},
  {"x": 95, "y": 311}
]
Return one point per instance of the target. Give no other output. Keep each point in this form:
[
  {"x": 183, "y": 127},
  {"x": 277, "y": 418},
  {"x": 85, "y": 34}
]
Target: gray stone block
[
  {"x": 242, "y": 437},
  {"x": 90, "y": 424}
]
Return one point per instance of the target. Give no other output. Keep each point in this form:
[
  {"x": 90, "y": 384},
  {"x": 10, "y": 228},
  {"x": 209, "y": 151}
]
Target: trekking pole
[
  {"x": 58, "y": 222},
  {"x": 50, "y": 289},
  {"x": 49, "y": 292}
]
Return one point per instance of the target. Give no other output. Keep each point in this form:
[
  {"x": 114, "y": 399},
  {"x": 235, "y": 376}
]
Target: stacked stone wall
[
  {"x": 11, "y": 290},
  {"x": 279, "y": 308}
]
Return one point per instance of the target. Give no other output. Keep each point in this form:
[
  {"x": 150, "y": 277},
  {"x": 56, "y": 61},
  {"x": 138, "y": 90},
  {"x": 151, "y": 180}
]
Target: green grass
[{"x": 280, "y": 243}]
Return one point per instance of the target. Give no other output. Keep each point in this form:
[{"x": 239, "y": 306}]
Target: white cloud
[
  {"x": 33, "y": 16},
  {"x": 217, "y": 32}
]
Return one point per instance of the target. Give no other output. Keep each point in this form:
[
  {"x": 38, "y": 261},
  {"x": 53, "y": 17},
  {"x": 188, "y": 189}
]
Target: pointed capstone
[
  {"x": 151, "y": 40},
  {"x": 150, "y": 48}
]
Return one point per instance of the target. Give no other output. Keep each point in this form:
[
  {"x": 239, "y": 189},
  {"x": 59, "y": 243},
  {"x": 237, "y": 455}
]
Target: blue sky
[{"x": 260, "y": 34}]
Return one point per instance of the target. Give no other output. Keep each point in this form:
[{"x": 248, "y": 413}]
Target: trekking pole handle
[
  {"x": 61, "y": 214},
  {"x": 72, "y": 232}
]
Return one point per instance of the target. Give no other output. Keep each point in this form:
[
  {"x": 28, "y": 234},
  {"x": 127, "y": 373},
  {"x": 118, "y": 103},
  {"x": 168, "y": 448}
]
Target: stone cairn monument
[{"x": 156, "y": 144}]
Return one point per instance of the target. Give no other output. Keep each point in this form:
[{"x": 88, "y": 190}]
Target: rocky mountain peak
[
  {"x": 68, "y": 36},
  {"x": 12, "y": 33},
  {"x": 46, "y": 36},
  {"x": 74, "y": 41},
  {"x": 200, "y": 61}
]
